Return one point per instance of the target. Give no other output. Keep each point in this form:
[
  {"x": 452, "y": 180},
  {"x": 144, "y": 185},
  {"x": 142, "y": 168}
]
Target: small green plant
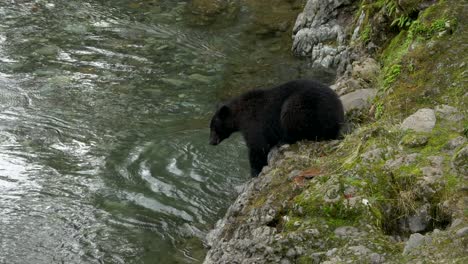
[
  {"x": 391, "y": 75},
  {"x": 379, "y": 110},
  {"x": 439, "y": 25},
  {"x": 391, "y": 6},
  {"x": 419, "y": 29},
  {"x": 366, "y": 34},
  {"x": 402, "y": 21}
]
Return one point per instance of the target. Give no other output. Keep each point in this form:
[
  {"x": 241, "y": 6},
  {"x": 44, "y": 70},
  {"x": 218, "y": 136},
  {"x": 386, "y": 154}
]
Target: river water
[{"x": 104, "y": 111}]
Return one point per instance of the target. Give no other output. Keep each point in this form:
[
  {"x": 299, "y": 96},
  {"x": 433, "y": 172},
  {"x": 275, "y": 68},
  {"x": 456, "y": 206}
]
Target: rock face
[
  {"x": 251, "y": 242},
  {"x": 319, "y": 34}
]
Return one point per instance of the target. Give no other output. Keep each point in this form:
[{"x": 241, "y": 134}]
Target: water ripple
[{"x": 103, "y": 145}]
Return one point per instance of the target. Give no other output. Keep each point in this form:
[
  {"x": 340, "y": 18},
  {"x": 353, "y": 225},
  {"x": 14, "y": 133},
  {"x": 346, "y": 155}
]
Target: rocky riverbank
[{"x": 394, "y": 189}]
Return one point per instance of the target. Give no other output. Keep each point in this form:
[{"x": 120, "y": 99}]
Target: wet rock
[
  {"x": 422, "y": 121},
  {"x": 449, "y": 113},
  {"x": 358, "y": 100},
  {"x": 413, "y": 242},
  {"x": 460, "y": 161}
]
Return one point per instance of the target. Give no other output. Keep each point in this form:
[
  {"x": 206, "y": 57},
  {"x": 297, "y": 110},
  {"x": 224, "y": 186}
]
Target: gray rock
[
  {"x": 456, "y": 222},
  {"x": 413, "y": 242},
  {"x": 422, "y": 121},
  {"x": 293, "y": 174},
  {"x": 436, "y": 161},
  {"x": 460, "y": 161},
  {"x": 462, "y": 232},
  {"x": 360, "y": 250},
  {"x": 358, "y": 100},
  {"x": 401, "y": 160},
  {"x": 320, "y": 35},
  {"x": 358, "y": 26},
  {"x": 291, "y": 253},
  {"x": 367, "y": 70},
  {"x": 346, "y": 231},
  {"x": 420, "y": 221},
  {"x": 317, "y": 257},
  {"x": 331, "y": 252},
  {"x": 373, "y": 155},
  {"x": 312, "y": 232},
  {"x": 376, "y": 258},
  {"x": 455, "y": 143},
  {"x": 346, "y": 85},
  {"x": 431, "y": 174},
  {"x": 449, "y": 112}
]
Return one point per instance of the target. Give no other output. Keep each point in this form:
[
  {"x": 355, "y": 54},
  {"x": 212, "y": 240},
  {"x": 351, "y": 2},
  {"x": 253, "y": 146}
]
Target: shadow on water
[{"x": 104, "y": 110}]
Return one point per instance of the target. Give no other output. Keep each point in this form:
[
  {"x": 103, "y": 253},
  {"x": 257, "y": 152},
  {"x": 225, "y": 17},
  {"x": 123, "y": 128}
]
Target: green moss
[
  {"x": 304, "y": 260},
  {"x": 397, "y": 48},
  {"x": 438, "y": 139},
  {"x": 413, "y": 139}
]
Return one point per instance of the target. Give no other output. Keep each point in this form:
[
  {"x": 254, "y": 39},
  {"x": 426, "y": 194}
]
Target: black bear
[{"x": 300, "y": 109}]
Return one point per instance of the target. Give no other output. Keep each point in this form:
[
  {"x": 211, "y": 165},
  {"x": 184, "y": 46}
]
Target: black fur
[{"x": 296, "y": 110}]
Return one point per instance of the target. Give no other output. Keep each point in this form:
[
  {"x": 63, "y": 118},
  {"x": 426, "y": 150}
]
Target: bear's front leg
[{"x": 258, "y": 159}]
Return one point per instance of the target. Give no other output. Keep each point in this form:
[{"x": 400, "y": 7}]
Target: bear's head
[{"x": 222, "y": 125}]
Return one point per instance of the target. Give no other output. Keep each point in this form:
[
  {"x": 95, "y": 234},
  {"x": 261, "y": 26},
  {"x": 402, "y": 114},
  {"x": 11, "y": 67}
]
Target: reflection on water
[{"x": 104, "y": 108}]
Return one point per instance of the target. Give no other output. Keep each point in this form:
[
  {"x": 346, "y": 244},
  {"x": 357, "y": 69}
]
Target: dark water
[{"x": 104, "y": 107}]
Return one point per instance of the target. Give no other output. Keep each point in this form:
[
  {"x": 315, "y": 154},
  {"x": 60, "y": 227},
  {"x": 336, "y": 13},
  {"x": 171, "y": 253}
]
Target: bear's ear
[{"x": 224, "y": 111}]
